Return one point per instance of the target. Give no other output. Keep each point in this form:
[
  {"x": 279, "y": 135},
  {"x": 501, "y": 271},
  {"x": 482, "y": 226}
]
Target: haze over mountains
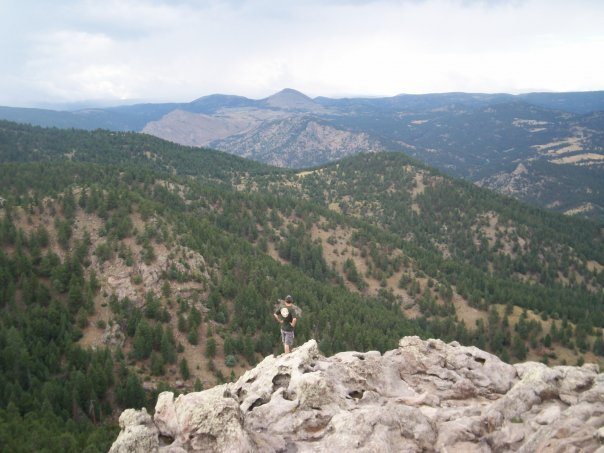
[{"x": 543, "y": 148}]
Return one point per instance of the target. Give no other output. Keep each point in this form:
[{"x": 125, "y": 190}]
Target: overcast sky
[{"x": 69, "y": 51}]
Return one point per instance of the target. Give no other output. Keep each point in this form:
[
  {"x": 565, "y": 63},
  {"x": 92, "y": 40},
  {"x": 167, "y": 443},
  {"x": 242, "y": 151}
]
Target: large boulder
[
  {"x": 138, "y": 433},
  {"x": 202, "y": 421}
]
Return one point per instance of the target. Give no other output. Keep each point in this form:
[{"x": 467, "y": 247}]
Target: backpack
[{"x": 281, "y": 303}]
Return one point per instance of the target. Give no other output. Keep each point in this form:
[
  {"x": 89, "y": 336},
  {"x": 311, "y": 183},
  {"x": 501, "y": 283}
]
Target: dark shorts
[{"x": 287, "y": 337}]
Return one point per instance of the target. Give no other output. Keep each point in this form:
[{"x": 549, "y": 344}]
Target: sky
[{"x": 115, "y": 51}]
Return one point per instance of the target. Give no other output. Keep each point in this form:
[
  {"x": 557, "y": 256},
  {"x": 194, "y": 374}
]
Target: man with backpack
[{"x": 286, "y": 316}]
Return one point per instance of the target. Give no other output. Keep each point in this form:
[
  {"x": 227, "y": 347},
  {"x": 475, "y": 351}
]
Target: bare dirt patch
[
  {"x": 579, "y": 158},
  {"x": 582, "y": 208},
  {"x": 419, "y": 185},
  {"x": 566, "y": 145},
  {"x": 274, "y": 254},
  {"x": 594, "y": 266},
  {"x": 468, "y": 314},
  {"x": 92, "y": 335}
]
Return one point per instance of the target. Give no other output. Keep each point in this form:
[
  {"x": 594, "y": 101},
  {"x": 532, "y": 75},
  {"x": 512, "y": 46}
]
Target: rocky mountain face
[
  {"x": 199, "y": 129},
  {"x": 285, "y": 130},
  {"x": 298, "y": 141},
  {"x": 422, "y": 396}
]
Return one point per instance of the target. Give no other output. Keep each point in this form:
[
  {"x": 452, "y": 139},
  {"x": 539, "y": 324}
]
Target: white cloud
[{"x": 69, "y": 51}]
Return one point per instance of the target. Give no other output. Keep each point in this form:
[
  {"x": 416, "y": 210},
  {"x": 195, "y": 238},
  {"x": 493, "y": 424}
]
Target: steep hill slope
[
  {"x": 298, "y": 141},
  {"x": 173, "y": 258},
  {"x": 135, "y": 244}
]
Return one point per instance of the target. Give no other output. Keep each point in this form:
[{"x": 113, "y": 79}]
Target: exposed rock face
[
  {"x": 202, "y": 421},
  {"x": 197, "y": 129},
  {"x": 118, "y": 277},
  {"x": 288, "y": 134},
  {"x": 138, "y": 433},
  {"x": 298, "y": 141},
  {"x": 423, "y": 396},
  {"x": 518, "y": 183},
  {"x": 113, "y": 336}
]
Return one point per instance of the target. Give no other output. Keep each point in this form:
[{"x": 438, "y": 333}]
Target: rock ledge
[{"x": 423, "y": 396}]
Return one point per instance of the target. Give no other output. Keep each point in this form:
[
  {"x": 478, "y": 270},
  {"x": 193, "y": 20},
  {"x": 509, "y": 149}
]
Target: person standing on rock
[{"x": 287, "y": 317}]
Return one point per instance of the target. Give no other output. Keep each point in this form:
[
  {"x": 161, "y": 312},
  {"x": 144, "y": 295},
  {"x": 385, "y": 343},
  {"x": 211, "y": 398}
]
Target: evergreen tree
[
  {"x": 599, "y": 346},
  {"x": 193, "y": 337},
  {"x": 184, "y": 370},
  {"x": 157, "y": 365},
  {"x": 210, "y": 348},
  {"x": 75, "y": 296},
  {"x": 168, "y": 350},
  {"x": 131, "y": 394},
  {"x": 518, "y": 348},
  {"x": 143, "y": 340}
]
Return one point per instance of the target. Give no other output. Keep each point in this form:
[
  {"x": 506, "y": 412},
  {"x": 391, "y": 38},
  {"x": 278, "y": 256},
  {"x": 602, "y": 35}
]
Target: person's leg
[
  {"x": 289, "y": 342},
  {"x": 284, "y": 341}
]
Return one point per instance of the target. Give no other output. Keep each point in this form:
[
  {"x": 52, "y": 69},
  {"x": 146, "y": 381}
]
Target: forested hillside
[
  {"x": 546, "y": 149},
  {"x": 129, "y": 265}
]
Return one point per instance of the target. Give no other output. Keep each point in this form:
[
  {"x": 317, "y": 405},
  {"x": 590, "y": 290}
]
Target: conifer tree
[{"x": 184, "y": 370}]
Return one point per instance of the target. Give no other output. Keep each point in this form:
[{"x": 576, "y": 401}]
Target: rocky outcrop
[
  {"x": 118, "y": 277},
  {"x": 138, "y": 433},
  {"x": 517, "y": 183},
  {"x": 290, "y": 133},
  {"x": 422, "y": 396},
  {"x": 197, "y": 129},
  {"x": 113, "y": 336},
  {"x": 297, "y": 142}
]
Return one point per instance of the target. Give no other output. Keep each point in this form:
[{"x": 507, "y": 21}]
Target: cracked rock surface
[{"x": 422, "y": 396}]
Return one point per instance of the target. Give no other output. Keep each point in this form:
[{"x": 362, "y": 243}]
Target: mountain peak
[
  {"x": 290, "y": 92},
  {"x": 290, "y": 99}
]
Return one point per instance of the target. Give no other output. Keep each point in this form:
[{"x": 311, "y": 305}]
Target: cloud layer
[{"x": 67, "y": 51}]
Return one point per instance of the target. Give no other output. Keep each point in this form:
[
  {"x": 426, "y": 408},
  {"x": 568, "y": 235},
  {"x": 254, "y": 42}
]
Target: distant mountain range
[{"x": 543, "y": 148}]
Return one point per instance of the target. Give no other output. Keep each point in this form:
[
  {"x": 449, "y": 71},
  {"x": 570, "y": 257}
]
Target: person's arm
[
  {"x": 276, "y": 316},
  {"x": 294, "y": 321}
]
